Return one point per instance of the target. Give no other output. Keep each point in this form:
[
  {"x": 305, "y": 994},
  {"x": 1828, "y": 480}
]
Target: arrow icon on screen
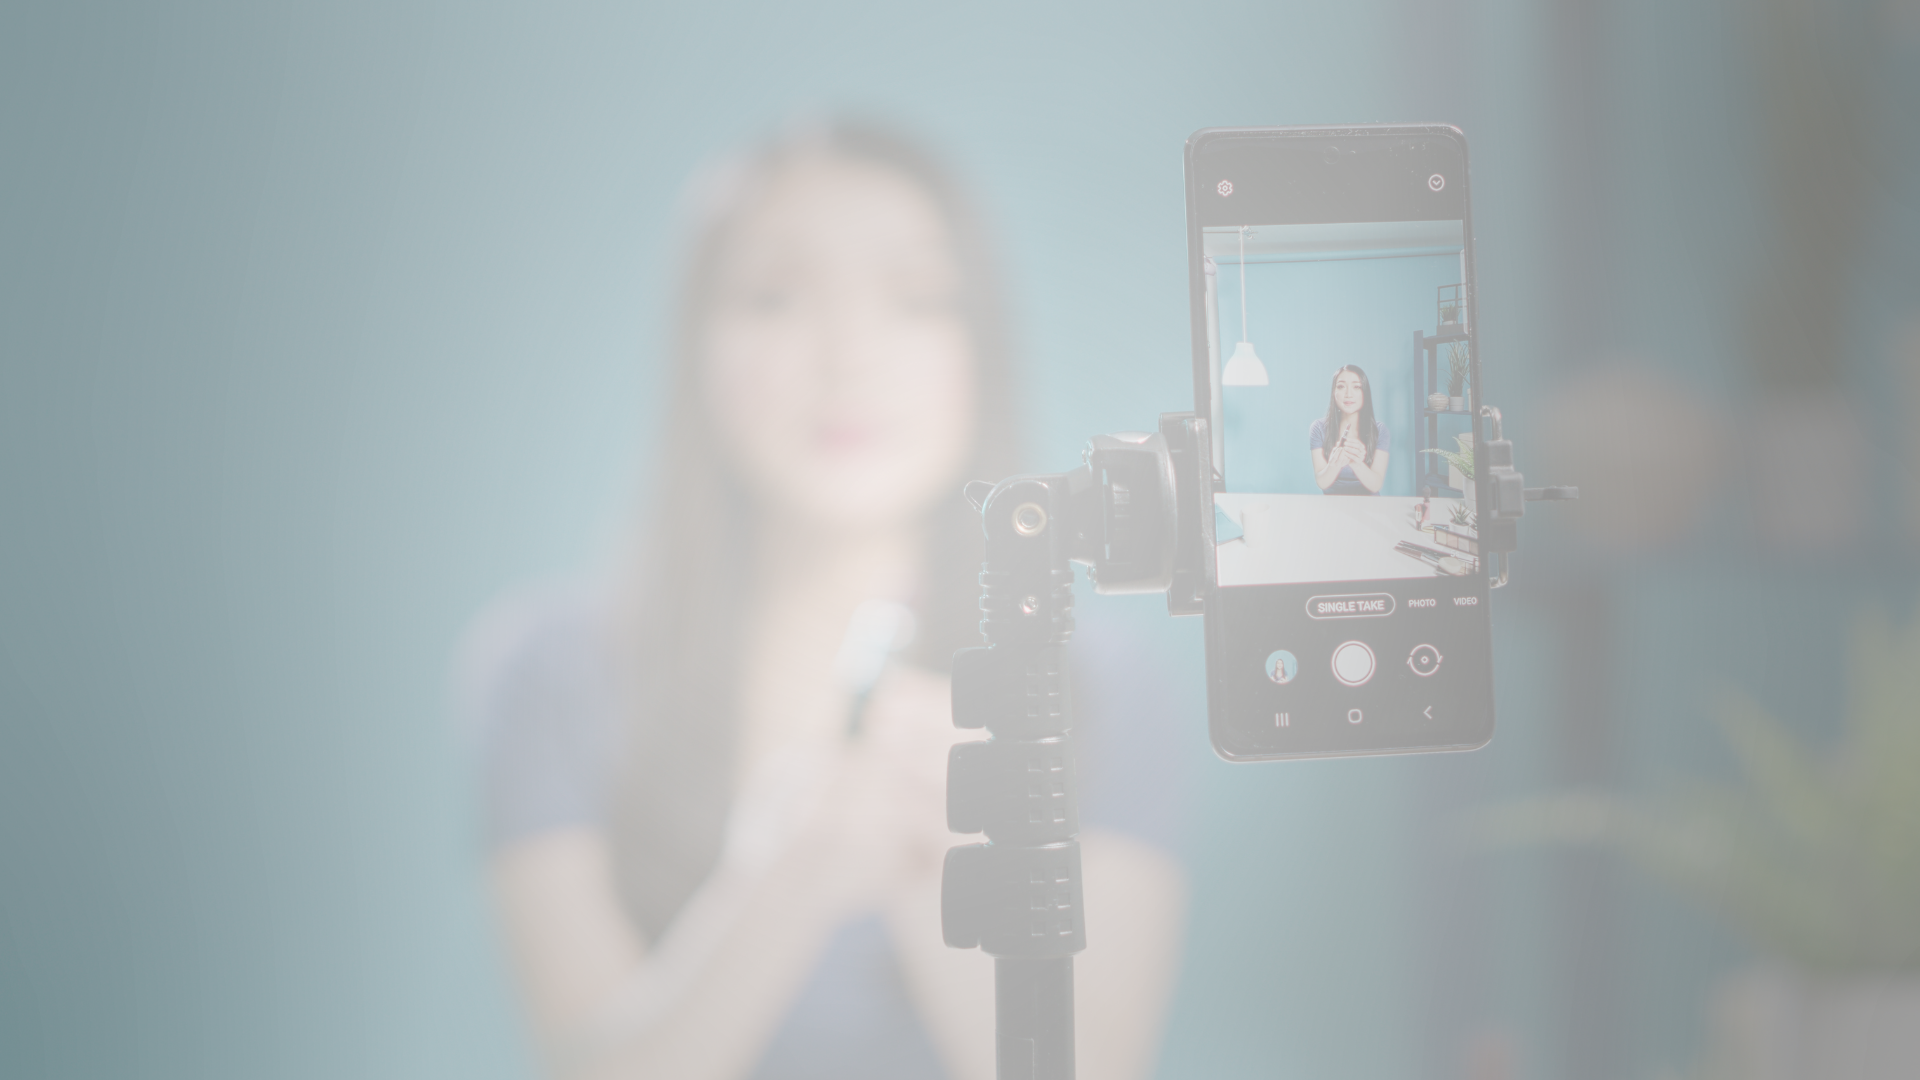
[{"x": 1429, "y": 712}]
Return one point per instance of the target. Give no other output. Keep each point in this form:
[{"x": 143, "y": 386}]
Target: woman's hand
[
  {"x": 874, "y": 831},
  {"x": 1329, "y": 461},
  {"x": 885, "y": 820},
  {"x": 1349, "y": 453},
  {"x": 1346, "y": 452},
  {"x": 910, "y": 726},
  {"x": 1371, "y": 476}
]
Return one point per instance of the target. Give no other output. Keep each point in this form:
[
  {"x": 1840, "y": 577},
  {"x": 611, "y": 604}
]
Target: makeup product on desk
[
  {"x": 1451, "y": 565},
  {"x": 1455, "y": 537}
]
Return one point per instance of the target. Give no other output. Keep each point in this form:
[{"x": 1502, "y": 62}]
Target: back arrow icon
[{"x": 1429, "y": 712}]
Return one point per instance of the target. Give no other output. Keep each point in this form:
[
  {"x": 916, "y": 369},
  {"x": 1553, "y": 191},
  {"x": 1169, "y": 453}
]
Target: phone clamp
[{"x": 1507, "y": 496}]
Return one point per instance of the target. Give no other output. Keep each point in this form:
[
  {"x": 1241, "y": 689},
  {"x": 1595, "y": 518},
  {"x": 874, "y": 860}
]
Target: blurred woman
[
  {"x": 1348, "y": 445},
  {"x": 716, "y": 790}
]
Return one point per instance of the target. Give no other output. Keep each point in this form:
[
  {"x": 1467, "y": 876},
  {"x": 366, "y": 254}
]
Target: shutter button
[{"x": 1353, "y": 663}]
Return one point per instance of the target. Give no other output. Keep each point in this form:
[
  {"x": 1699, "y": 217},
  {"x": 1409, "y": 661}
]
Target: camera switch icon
[
  {"x": 1353, "y": 663},
  {"x": 1424, "y": 660}
]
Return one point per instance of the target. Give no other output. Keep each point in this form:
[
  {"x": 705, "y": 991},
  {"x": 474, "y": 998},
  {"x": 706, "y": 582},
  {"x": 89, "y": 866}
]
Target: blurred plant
[
  {"x": 1457, "y": 369},
  {"x": 1462, "y": 515},
  {"x": 1815, "y": 859},
  {"x": 1449, "y": 313},
  {"x": 1461, "y": 459}
]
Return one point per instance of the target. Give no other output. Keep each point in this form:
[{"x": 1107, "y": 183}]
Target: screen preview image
[{"x": 1343, "y": 489}]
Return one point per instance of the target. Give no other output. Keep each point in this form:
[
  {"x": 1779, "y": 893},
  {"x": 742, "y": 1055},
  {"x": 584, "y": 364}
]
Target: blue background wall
[
  {"x": 321, "y": 325},
  {"x": 1308, "y": 319}
]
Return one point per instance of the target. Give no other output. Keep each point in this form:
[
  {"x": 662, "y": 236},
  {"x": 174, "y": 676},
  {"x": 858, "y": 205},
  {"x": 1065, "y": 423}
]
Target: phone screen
[{"x": 1334, "y": 359}]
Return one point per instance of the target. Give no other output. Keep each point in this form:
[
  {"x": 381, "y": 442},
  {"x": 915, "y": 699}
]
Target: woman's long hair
[
  {"x": 689, "y": 598},
  {"x": 1362, "y": 422}
]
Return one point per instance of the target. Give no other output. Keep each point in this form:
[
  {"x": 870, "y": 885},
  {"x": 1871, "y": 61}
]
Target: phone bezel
[{"x": 1203, "y": 403}]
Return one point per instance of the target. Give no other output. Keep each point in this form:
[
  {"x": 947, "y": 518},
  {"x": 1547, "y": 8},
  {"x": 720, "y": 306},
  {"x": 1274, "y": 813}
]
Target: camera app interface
[
  {"x": 1346, "y": 448},
  {"x": 1350, "y": 612}
]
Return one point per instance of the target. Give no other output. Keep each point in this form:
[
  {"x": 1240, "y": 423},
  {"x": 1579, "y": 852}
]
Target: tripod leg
[{"x": 1033, "y": 1003}]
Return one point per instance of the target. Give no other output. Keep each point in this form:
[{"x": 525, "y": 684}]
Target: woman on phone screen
[
  {"x": 715, "y": 780},
  {"x": 1349, "y": 446}
]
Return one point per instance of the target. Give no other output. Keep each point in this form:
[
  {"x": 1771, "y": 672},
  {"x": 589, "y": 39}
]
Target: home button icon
[{"x": 1353, "y": 716}]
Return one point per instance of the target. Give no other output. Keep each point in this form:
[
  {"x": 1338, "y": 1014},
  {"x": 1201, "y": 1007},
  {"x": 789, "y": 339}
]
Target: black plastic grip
[
  {"x": 1013, "y": 901},
  {"x": 1015, "y": 693},
  {"x": 1015, "y": 792}
]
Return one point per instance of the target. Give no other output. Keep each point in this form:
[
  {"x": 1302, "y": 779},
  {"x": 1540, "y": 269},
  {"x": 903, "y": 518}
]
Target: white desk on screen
[{"x": 1303, "y": 538}]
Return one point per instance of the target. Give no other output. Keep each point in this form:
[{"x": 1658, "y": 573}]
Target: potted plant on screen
[
  {"x": 1459, "y": 465},
  {"x": 1457, "y": 377},
  {"x": 1812, "y": 857}
]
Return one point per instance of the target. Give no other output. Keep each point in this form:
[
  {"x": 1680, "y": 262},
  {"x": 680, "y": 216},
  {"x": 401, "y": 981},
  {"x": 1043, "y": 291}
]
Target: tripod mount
[{"x": 1132, "y": 512}]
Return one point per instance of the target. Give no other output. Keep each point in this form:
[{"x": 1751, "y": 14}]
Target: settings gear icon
[{"x": 1225, "y": 188}]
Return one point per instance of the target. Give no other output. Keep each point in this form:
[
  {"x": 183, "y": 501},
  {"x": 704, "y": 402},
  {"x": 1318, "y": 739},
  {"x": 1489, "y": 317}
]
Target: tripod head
[{"x": 1133, "y": 511}]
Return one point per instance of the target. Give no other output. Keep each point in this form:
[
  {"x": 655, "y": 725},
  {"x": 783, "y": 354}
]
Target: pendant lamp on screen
[{"x": 1243, "y": 367}]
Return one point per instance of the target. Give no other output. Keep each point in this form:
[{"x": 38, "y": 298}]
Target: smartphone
[{"x": 1334, "y": 359}]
